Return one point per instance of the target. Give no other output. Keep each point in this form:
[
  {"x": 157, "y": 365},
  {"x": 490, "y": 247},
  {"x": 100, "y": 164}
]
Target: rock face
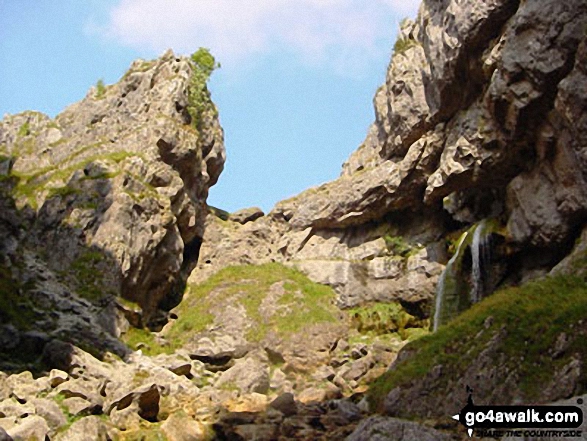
[
  {"x": 481, "y": 122},
  {"x": 112, "y": 196},
  {"x": 481, "y": 116}
]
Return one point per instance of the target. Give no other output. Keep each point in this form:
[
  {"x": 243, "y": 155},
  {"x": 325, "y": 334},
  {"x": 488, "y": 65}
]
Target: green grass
[
  {"x": 100, "y": 89},
  {"x": 15, "y": 306},
  {"x": 30, "y": 185},
  {"x": 384, "y": 318},
  {"x": 134, "y": 336},
  {"x": 88, "y": 275},
  {"x": 533, "y": 316},
  {"x": 218, "y": 212},
  {"x": 69, "y": 417},
  {"x": 24, "y": 130},
  {"x": 403, "y": 44},
  {"x": 62, "y": 192},
  {"x": 248, "y": 285},
  {"x": 397, "y": 245},
  {"x": 203, "y": 64}
]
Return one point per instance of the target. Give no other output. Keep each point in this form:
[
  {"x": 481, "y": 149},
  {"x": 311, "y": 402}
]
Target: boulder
[
  {"x": 182, "y": 428},
  {"x": 50, "y": 411},
  {"x": 80, "y": 407},
  {"x": 90, "y": 428},
  {"x": 246, "y": 215},
  {"x": 312, "y": 395},
  {"x": 248, "y": 375},
  {"x": 32, "y": 428},
  {"x": 57, "y": 377},
  {"x": 285, "y": 403},
  {"x": 146, "y": 399},
  {"x": 12, "y": 408},
  {"x": 4, "y": 435},
  {"x": 87, "y": 390}
]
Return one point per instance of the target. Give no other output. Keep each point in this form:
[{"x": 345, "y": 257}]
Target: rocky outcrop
[
  {"x": 481, "y": 115},
  {"x": 481, "y": 121},
  {"x": 112, "y": 197}
]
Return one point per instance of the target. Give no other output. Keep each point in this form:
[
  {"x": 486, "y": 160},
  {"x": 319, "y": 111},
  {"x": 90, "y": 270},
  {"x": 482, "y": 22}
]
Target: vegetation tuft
[
  {"x": 532, "y": 317},
  {"x": 385, "y": 318},
  {"x": 100, "y": 89},
  {"x": 24, "y": 130},
  {"x": 249, "y": 285},
  {"x": 15, "y": 305},
  {"x": 303, "y": 303},
  {"x": 88, "y": 275},
  {"x": 402, "y": 45},
  {"x": 398, "y": 246},
  {"x": 218, "y": 212},
  {"x": 203, "y": 64}
]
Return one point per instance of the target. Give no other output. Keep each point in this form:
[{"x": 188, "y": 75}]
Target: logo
[{"x": 520, "y": 417}]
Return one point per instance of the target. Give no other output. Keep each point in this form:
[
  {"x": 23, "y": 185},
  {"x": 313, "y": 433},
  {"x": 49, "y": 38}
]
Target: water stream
[
  {"x": 447, "y": 286},
  {"x": 455, "y": 291},
  {"x": 481, "y": 257}
]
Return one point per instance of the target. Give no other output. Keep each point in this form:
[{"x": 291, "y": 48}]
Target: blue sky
[{"x": 294, "y": 92}]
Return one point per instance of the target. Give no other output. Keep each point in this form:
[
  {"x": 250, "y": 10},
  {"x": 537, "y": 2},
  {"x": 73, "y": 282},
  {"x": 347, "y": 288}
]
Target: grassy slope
[
  {"x": 311, "y": 303},
  {"x": 534, "y": 315}
]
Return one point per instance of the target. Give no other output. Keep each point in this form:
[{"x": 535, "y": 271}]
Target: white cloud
[{"x": 341, "y": 33}]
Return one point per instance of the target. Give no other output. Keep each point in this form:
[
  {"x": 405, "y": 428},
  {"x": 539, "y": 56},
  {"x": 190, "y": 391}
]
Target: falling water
[
  {"x": 480, "y": 255},
  {"x": 439, "y": 299},
  {"x": 441, "y": 287}
]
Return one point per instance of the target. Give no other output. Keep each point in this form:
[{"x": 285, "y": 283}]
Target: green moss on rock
[
  {"x": 301, "y": 304},
  {"x": 530, "y": 318}
]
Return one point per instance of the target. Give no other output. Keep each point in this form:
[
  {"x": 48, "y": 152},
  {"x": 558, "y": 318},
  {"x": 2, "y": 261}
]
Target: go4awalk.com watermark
[{"x": 526, "y": 421}]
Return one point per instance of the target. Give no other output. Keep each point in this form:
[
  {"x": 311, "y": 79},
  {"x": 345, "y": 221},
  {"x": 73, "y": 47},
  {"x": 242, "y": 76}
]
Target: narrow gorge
[{"x": 451, "y": 253}]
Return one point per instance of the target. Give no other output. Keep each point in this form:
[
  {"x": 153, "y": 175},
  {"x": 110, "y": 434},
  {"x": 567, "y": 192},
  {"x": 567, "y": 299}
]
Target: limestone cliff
[
  {"x": 481, "y": 116},
  {"x": 107, "y": 199},
  {"x": 480, "y": 134}
]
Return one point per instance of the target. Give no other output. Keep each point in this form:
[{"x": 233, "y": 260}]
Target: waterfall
[
  {"x": 456, "y": 291},
  {"x": 442, "y": 289},
  {"x": 439, "y": 299},
  {"x": 481, "y": 256}
]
